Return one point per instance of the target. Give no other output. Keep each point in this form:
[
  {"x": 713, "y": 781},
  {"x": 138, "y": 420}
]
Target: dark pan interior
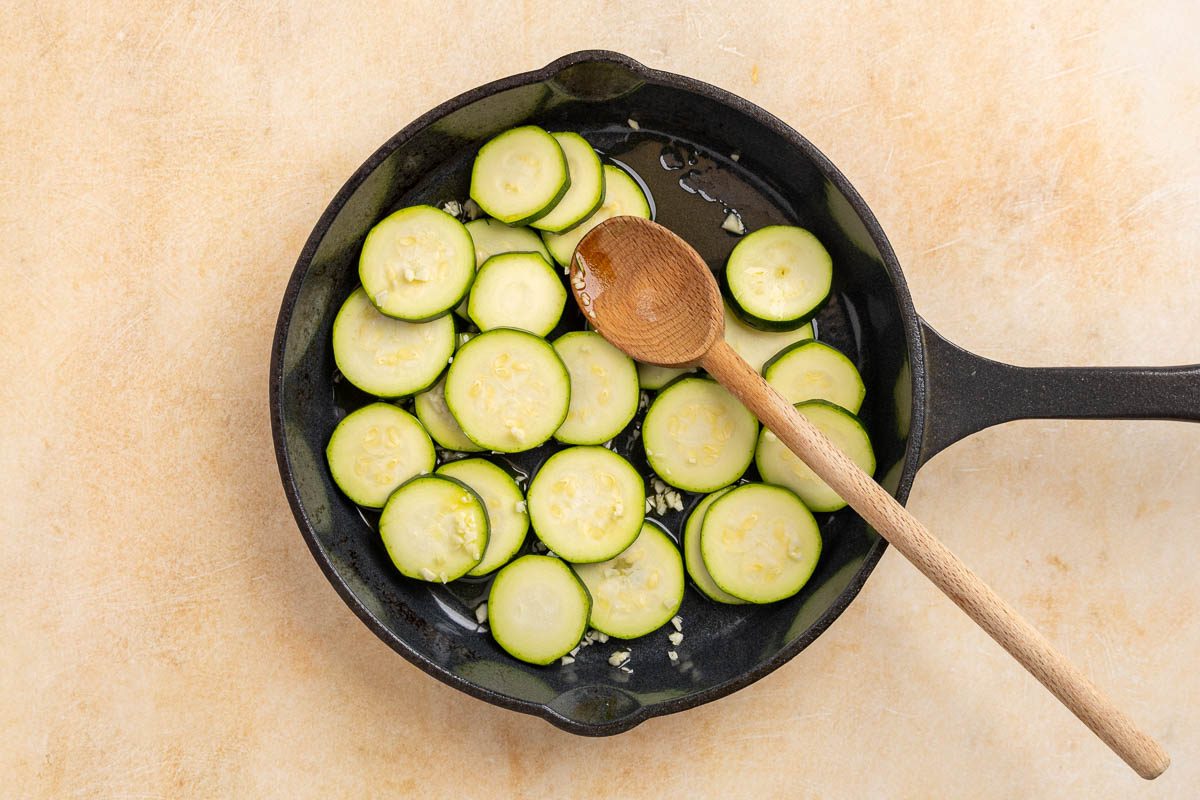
[{"x": 683, "y": 147}]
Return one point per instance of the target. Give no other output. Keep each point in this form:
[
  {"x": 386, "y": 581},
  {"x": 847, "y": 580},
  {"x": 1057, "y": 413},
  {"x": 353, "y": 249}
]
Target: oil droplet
[{"x": 670, "y": 158}]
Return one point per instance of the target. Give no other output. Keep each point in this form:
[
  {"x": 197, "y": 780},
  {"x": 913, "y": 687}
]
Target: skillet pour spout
[{"x": 923, "y": 393}]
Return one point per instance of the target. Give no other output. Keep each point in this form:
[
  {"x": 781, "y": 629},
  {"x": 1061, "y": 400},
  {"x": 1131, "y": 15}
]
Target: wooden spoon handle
[{"x": 934, "y": 559}]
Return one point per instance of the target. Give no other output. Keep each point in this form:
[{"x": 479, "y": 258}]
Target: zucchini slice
[
  {"x": 375, "y": 449},
  {"x": 587, "y": 503},
  {"x": 760, "y": 543},
  {"x": 435, "y": 528},
  {"x": 389, "y": 357},
  {"x": 653, "y": 378},
  {"x": 622, "y": 197},
  {"x": 508, "y": 521},
  {"x": 779, "y": 465},
  {"x": 604, "y": 388},
  {"x": 517, "y": 290},
  {"x": 417, "y": 263},
  {"x": 586, "y": 191},
  {"x": 435, "y": 415},
  {"x": 519, "y": 175},
  {"x": 508, "y": 390},
  {"x": 698, "y": 436},
  {"x": 492, "y": 237},
  {"x": 638, "y": 591},
  {"x": 779, "y": 277},
  {"x": 691, "y": 552},
  {"x": 812, "y": 370},
  {"x": 537, "y": 609},
  {"x": 757, "y": 347}
]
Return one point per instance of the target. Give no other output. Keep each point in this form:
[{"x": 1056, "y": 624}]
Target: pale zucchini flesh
[
  {"x": 517, "y": 290},
  {"x": 779, "y": 277},
  {"x": 435, "y": 528},
  {"x": 604, "y": 388},
  {"x": 519, "y": 175},
  {"x": 637, "y": 591},
  {"x": 760, "y": 543},
  {"x": 538, "y": 609},
  {"x": 586, "y": 191},
  {"x": 492, "y": 237},
  {"x": 812, "y": 370},
  {"x": 441, "y": 425},
  {"x": 779, "y": 465},
  {"x": 388, "y": 357},
  {"x": 508, "y": 521},
  {"x": 417, "y": 263},
  {"x": 691, "y": 552},
  {"x": 654, "y": 377},
  {"x": 376, "y": 448},
  {"x": 757, "y": 347},
  {"x": 587, "y": 503},
  {"x": 508, "y": 390},
  {"x": 622, "y": 197},
  {"x": 698, "y": 436}
]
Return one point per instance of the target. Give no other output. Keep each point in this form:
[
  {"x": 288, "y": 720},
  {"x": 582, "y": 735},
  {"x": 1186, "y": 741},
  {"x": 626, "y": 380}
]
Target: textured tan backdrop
[{"x": 163, "y": 630}]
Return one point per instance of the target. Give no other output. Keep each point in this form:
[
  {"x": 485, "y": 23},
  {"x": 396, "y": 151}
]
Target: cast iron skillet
[{"x": 923, "y": 393}]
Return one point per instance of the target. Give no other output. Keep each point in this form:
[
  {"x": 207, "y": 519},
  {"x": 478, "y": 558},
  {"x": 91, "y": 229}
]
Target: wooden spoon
[{"x": 650, "y": 294}]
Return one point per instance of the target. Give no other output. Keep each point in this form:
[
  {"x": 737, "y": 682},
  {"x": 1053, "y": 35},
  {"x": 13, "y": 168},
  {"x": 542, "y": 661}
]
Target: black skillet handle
[{"x": 966, "y": 393}]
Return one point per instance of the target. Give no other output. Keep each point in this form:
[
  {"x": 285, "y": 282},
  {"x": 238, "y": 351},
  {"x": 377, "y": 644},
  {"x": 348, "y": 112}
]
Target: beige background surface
[{"x": 164, "y": 631}]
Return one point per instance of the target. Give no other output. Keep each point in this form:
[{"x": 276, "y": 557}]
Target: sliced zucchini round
[
  {"x": 760, "y": 543},
  {"x": 508, "y": 521},
  {"x": 537, "y": 609},
  {"x": 756, "y": 346},
  {"x": 435, "y": 528},
  {"x": 587, "y": 185},
  {"x": 812, "y": 370},
  {"x": 691, "y": 552},
  {"x": 389, "y": 357},
  {"x": 520, "y": 175},
  {"x": 508, "y": 390},
  {"x": 622, "y": 197},
  {"x": 417, "y": 263},
  {"x": 435, "y": 415},
  {"x": 492, "y": 237},
  {"x": 638, "y": 591},
  {"x": 698, "y": 436},
  {"x": 375, "y": 449},
  {"x": 604, "y": 388},
  {"x": 587, "y": 503},
  {"x": 517, "y": 290},
  {"x": 654, "y": 378},
  {"x": 779, "y": 465},
  {"x": 779, "y": 277}
]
